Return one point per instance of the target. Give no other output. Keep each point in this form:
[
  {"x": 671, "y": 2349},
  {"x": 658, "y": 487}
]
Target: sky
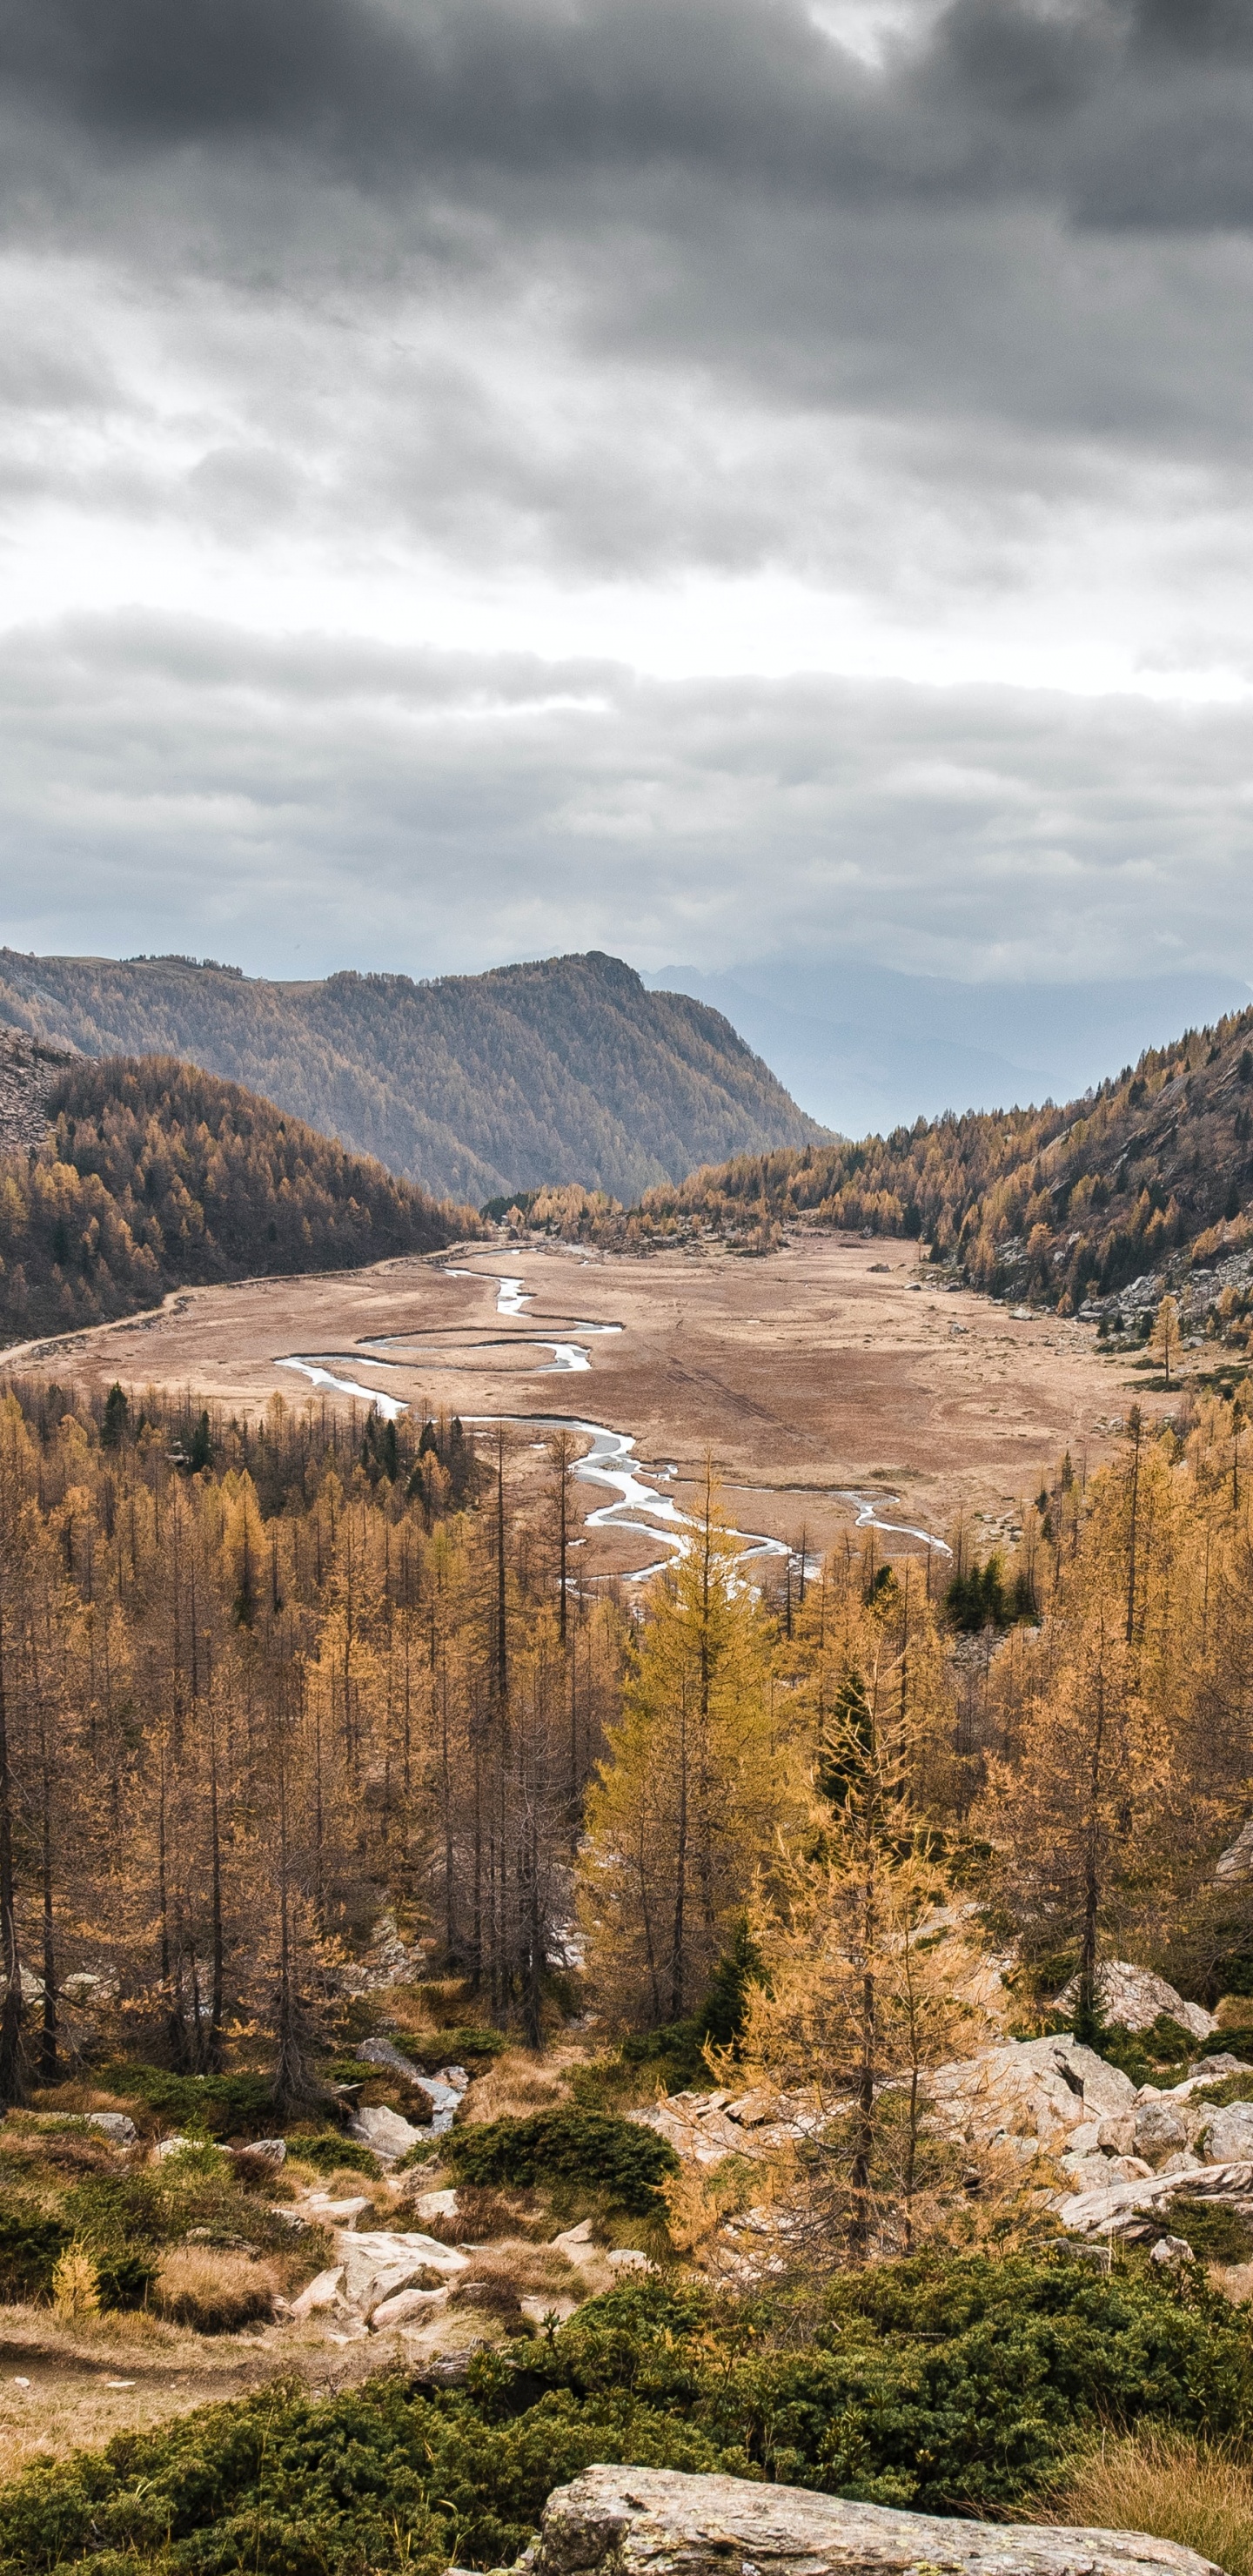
[{"x": 707, "y": 479}]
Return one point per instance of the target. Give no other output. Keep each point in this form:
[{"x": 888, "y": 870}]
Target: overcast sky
[{"x": 700, "y": 478}]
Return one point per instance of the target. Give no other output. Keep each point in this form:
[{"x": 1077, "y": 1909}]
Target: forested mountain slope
[
  {"x": 153, "y": 1175},
  {"x": 1065, "y": 1204},
  {"x": 473, "y": 1086}
]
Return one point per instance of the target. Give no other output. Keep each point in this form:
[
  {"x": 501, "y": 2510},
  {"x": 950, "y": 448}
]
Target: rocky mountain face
[
  {"x": 29, "y": 1073},
  {"x": 474, "y": 1086}
]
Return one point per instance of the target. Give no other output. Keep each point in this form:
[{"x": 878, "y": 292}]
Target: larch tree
[{"x": 695, "y": 1779}]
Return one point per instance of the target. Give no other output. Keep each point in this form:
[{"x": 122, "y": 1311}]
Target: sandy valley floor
[{"x": 830, "y": 1376}]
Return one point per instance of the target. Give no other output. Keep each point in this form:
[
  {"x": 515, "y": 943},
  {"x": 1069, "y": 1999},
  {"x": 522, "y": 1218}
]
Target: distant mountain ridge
[{"x": 471, "y": 1086}]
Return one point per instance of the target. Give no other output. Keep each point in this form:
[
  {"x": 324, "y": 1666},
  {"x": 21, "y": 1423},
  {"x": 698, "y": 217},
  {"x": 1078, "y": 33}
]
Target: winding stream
[{"x": 610, "y": 1463}]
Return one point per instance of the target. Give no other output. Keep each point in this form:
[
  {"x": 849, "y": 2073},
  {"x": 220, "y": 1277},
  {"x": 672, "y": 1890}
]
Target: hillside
[
  {"x": 474, "y": 1086},
  {"x": 1068, "y": 1205},
  {"x": 152, "y": 1175}
]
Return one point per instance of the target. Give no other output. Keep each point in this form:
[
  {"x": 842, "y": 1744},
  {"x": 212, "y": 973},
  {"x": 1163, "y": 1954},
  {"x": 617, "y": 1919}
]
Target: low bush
[
  {"x": 589, "y": 2149},
  {"x": 31, "y": 2246},
  {"x": 223, "y": 2106},
  {"x": 328, "y": 2153},
  {"x": 958, "y": 2386}
]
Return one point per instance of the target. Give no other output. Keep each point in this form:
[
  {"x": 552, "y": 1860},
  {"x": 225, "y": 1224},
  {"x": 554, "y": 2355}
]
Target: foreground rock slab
[{"x": 661, "y": 2522}]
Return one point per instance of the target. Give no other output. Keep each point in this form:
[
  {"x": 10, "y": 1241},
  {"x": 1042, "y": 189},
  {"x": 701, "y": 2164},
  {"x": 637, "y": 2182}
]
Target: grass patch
[{"x": 1166, "y": 2483}]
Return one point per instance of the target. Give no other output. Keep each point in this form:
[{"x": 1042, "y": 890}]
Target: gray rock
[
  {"x": 1133, "y": 1997},
  {"x": 1171, "y": 2250},
  {"x": 116, "y": 2125},
  {"x": 268, "y": 2151},
  {"x": 383, "y": 2130},
  {"x": 1237, "y": 1861},
  {"x": 435, "y": 2096},
  {"x": 1229, "y": 2134},
  {"x": 1159, "y": 2130},
  {"x": 636, "y": 2522}
]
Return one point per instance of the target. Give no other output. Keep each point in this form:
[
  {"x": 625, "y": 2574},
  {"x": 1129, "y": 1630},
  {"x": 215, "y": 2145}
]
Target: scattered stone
[
  {"x": 266, "y": 2151},
  {"x": 633, "y": 2521},
  {"x": 628, "y": 2258},
  {"x": 172, "y": 2147}
]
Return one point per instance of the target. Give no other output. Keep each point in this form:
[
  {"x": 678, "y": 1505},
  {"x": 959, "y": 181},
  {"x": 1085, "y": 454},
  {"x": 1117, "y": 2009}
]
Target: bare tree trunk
[{"x": 12, "y": 2087}]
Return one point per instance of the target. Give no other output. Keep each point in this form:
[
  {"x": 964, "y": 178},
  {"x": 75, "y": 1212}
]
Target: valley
[{"x": 834, "y": 1384}]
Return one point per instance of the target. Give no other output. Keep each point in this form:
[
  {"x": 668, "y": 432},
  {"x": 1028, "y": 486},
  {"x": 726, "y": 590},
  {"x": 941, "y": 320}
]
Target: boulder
[
  {"x": 384, "y": 2131},
  {"x": 376, "y": 2265},
  {"x": 116, "y": 2125},
  {"x": 1171, "y": 2250},
  {"x": 1133, "y": 2209},
  {"x": 405, "y": 2304},
  {"x": 263, "y": 2151},
  {"x": 1037, "y": 2091},
  {"x": 1228, "y": 2135},
  {"x": 1237, "y": 1861},
  {"x": 633, "y": 2522},
  {"x": 318, "y": 2294},
  {"x": 1133, "y": 1998},
  {"x": 1160, "y": 2129},
  {"x": 435, "y": 2097}
]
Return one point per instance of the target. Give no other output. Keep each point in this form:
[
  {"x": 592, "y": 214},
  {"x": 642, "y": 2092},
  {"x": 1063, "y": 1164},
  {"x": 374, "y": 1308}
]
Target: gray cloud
[
  {"x": 210, "y": 790},
  {"x": 648, "y": 332}
]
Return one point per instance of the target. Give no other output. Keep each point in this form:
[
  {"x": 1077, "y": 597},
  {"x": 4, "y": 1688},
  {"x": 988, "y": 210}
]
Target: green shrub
[
  {"x": 328, "y": 2152},
  {"x": 125, "y": 2280},
  {"x": 950, "y": 2386},
  {"x": 224, "y": 2106},
  {"x": 30, "y": 2248},
  {"x": 588, "y": 2148},
  {"x": 1216, "y": 2234},
  {"x": 451, "y": 2047}
]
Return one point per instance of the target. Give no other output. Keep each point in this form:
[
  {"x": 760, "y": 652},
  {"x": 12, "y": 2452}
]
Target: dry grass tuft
[
  {"x": 517, "y": 2083},
  {"x": 503, "y": 2275},
  {"x": 1168, "y": 2484},
  {"x": 213, "y": 2292},
  {"x": 483, "y": 2213}
]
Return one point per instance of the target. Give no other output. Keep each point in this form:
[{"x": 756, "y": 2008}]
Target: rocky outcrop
[
  {"x": 379, "y": 2280},
  {"x": 1134, "y": 1998},
  {"x": 703, "y": 2128},
  {"x": 661, "y": 2522},
  {"x": 1130, "y": 2210}
]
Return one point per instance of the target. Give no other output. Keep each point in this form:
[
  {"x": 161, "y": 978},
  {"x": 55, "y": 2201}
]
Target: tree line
[
  {"x": 1061, "y": 1204},
  {"x": 154, "y": 1176}
]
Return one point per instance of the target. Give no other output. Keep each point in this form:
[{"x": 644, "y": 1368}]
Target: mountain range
[{"x": 472, "y": 1086}]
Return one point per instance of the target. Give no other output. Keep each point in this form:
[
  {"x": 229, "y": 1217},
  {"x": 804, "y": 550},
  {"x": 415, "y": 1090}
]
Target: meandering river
[{"x": 609, "y": 1464}]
